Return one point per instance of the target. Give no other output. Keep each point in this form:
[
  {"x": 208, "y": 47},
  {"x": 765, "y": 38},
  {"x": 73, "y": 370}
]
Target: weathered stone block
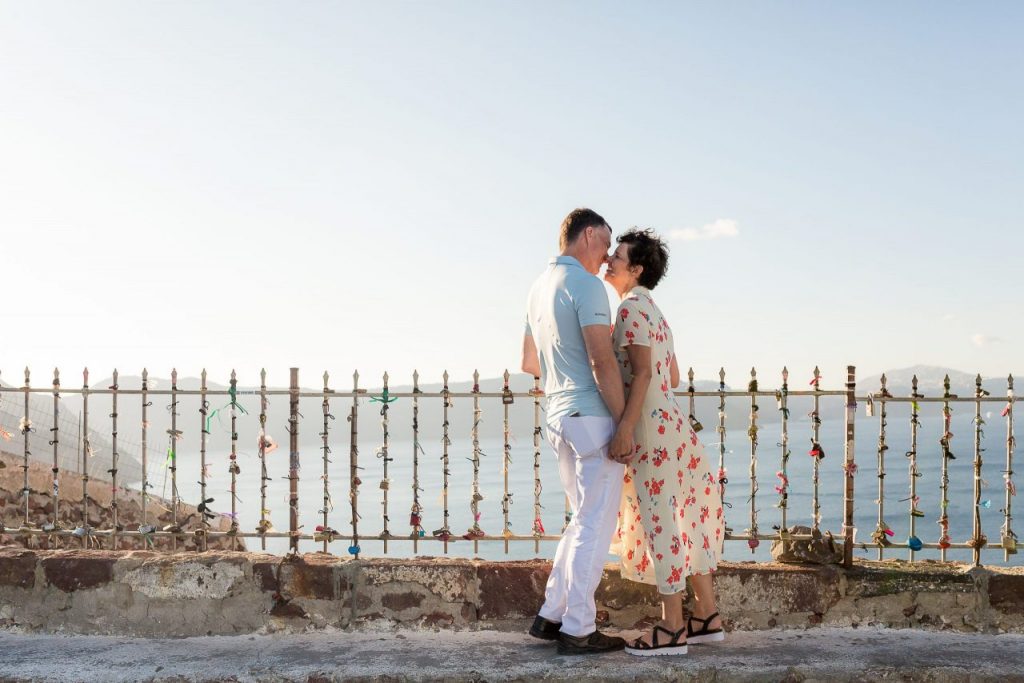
[
  {"x": 401, "y": 601},
  {"x": 511, "y": 590},
  {"x": 895, "y": 577},
  {"x": 188, "y": 577},
  {"x": 449, "y": 580},
  {"x": 71, "y": 570},
  {"x": 779, "y": 588},
  {"x": 616, "y": 592},
  {"x": 1006, "y": 593},
  {"x": 17, "y": 568}
]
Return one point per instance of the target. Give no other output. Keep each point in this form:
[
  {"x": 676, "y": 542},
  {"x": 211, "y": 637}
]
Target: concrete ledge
[
  {"x": 824, "y": 654},
  {"x": 147, "y": 593}
]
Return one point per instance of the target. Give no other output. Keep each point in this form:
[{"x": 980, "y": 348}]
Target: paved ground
[{"x": 819, "y": 654}]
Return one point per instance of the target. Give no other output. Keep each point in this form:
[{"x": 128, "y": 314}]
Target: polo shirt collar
[{"x": 566, "y": 261}]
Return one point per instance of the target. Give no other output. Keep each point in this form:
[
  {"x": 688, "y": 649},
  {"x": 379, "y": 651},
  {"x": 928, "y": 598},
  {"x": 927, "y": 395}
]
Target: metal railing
[{"x": 331, "y": 398}]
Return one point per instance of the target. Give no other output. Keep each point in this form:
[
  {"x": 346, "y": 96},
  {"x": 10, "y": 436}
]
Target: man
[{"x": 568, "y": 343}]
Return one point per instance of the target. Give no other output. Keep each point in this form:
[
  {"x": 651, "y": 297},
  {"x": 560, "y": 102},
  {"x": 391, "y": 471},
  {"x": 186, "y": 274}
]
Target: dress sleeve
[{"x": 632, "y": 325}]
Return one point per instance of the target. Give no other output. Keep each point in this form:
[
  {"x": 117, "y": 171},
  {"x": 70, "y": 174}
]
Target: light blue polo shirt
[{"x": 563, "y": 300}]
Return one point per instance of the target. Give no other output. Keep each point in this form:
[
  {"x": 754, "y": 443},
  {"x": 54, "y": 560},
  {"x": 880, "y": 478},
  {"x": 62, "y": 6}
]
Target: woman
[{"x": 670, "y": 520}]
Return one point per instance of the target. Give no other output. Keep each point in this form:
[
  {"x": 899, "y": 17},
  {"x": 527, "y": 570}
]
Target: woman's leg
[
  {"x": 671, "y": 618},
  {"x": 704, "y": 599},
  {"x": 672, "y": 611}
]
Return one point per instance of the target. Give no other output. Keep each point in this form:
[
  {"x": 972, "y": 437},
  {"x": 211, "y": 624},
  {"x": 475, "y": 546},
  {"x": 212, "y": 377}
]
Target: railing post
[
  {"x": 849, "y": 466},
  {"x": 978, "y": 540},
  {"x": 293, "y": 461},
  {"x": 113, "y": 463},
  {"x": 26, "y": 430},
  {"x": 55, "y": 442},
  {"x": 233, "y": 468},
  {"x": 84, "y": 445}
]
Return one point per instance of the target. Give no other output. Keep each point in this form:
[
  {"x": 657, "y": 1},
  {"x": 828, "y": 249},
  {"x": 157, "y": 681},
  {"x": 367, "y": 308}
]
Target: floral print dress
[{"x": 670, "y": 519}]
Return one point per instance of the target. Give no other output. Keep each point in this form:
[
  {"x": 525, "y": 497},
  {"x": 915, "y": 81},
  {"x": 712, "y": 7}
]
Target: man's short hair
[{"x": 578, "y": 221}]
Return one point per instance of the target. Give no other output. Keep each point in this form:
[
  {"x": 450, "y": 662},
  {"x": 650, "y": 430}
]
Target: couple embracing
[{"x": 630, "y": 463}]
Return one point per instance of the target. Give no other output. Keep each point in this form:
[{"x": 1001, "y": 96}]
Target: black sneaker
[
  {"x": 595, "y": 643},
  {"x": 544, "y": 629}
]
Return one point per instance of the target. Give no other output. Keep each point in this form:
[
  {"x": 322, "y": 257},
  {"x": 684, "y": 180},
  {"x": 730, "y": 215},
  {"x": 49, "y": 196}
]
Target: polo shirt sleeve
[
  {"x": 631, "y": 325},
  {"x": 592, "y": 304}
]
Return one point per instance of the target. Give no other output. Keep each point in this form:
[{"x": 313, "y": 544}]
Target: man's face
[{"x": 599, "y": 241}]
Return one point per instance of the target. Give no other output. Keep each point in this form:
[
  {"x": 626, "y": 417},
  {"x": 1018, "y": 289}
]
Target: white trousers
[{"x": 593, "y": 484}]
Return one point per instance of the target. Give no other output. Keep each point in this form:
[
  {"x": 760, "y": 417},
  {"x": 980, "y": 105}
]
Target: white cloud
[
  {"x": 722, "y": 227},
  {"x": 981, "y": 340},
  {"x": 948, "y": 317}
]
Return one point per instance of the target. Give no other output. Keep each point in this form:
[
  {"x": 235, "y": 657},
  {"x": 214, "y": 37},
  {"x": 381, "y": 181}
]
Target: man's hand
[{"x": 621, "y": 447}]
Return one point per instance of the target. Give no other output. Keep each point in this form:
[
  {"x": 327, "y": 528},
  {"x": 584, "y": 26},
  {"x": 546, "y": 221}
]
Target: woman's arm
[
  {"x": 674, "y": 372},
  {"x": 640, "y": 363}
]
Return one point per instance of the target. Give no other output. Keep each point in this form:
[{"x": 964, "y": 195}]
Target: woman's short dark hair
[{"x": 648, "y": 250}]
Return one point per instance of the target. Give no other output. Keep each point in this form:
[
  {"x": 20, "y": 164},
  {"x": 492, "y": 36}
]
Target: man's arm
[
  {"x": 605, "y": 368},
  {"x": 531, "y": 362}
]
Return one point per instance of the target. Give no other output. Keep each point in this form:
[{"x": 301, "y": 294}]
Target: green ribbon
[
  {"x": 383, "y": 398},
  {"x": 233, "y": 393}
]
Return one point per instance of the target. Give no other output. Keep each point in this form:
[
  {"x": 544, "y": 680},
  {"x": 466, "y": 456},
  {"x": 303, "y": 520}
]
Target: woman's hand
[{"x": 621, "y": 447}]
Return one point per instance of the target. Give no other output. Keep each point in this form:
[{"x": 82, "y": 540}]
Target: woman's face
[{"x": 618, "y": 274}]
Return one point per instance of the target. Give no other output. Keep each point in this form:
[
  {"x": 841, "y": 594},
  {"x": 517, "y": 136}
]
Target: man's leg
[
  {"x": 555, "y": 593},
  {"x": 598, "y": 488}
]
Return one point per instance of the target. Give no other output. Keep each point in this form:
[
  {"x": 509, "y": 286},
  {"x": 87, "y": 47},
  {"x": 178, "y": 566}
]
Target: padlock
[
  {"x": 507, "y": 398},
  {"x": 695, "y": 424},
  {"x": 384, "y": 485}
]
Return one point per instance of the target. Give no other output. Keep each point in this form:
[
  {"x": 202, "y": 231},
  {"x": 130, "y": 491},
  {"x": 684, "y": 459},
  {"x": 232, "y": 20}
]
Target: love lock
[
  {"x": 506, "y": 397},
  {"x": 1009, "y": 543},
  {"x": 384, "y": 485},
  {"x": 695, "y": 424}
]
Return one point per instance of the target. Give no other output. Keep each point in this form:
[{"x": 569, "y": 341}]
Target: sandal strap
[
  {"x": 654, "y": 644},
  {"x": 704, "y": 624},
  {"x": 705, "y": 621}
]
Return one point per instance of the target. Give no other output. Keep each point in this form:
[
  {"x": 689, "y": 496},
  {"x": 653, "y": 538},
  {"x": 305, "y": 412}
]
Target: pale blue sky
[{"x": 375, "y": 185}]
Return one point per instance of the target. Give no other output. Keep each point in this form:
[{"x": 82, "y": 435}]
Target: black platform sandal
[
  {"x": 704, "y": 634},
  {"x": 654, "y": 649}
]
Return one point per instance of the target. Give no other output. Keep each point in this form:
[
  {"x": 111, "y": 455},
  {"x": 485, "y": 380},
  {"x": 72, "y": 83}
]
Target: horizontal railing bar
[
  {"x": 380, "y": 537},
  {"x": 483, "y": 394}
]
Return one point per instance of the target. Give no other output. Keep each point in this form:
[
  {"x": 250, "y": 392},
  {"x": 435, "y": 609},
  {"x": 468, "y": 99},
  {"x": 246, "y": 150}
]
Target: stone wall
[
  {"x": 129, "y": 505},
  {"x": 186, "y": 594}
]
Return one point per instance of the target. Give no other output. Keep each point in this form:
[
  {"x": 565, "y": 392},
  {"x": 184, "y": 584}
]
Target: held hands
[{"x": 621, "y": 448}]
